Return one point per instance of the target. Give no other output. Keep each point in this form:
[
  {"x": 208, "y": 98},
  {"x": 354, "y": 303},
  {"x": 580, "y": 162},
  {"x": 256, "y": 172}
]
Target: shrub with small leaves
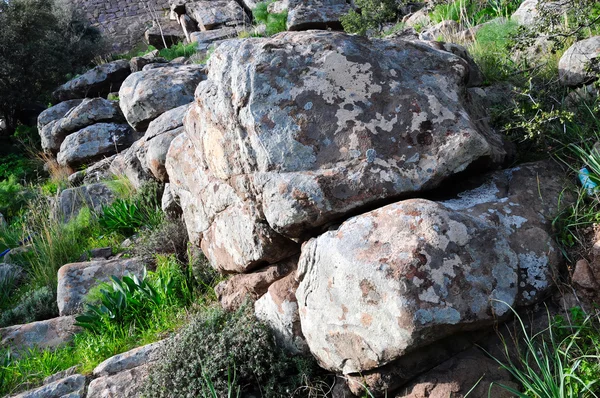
[
  {"x": 36, "y": 305},
  {"x": 217, "y": 345},
  {"x": 370, "y": 15}
]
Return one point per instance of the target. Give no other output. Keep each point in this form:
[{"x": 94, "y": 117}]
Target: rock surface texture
[
  {"x": 75, "y": 280},
  {"x": 97, "y": 82},
  {"x": 580, "y": 64},
  {"x": 72, "y": 200},
  {"x": 48, "y": 334},
  {"x": 72, "y": 386},
  {"x": 413, "y": 272},
  {"x": 147, "y": 94},
  {"x": 316, "y": 14},
  {"x": 293, "y": 132}
]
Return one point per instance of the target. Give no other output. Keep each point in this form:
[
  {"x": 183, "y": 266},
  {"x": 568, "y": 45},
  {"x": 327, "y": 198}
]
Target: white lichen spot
[{"x": 429, "y": 296}]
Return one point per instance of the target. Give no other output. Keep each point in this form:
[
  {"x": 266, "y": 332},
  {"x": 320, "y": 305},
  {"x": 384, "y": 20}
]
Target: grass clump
[
  {"x": 274, "y": 23},
  {"x": 215, "y": 346}
]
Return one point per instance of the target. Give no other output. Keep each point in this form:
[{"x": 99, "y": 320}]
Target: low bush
[
  {"x": 13, "y": 197},
  {"x": 217, "y": 345},
  {"x": 370, "y": 15},
  {"x": 274, "y": 23},
  {"x": 37, "y": 305}
]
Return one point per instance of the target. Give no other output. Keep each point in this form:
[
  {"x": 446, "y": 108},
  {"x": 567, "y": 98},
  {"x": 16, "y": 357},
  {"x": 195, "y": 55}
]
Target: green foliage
[
  {"x": 19, "y": 166},
  {"x": 13, "y": 197},
  {"x": 561, "y": 361},
  {"x": 474, "y": 12},
  {"x": 36, "y": 305},
  {"x": 35, "y": 57},
  {"x": 177, "y": 50},
  {"x": 274, "y": 23},
  {"x": 371, "y": 15},
  {"x": 9, "y": 277}
]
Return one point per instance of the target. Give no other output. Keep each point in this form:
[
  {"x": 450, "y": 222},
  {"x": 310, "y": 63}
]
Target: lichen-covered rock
[
  {"x": 72, "y": 386},
  {"x": 75, "y": 280},
  {"x": 316, "y": 14},
  {"x": 395, "y": 279},
  {"x": 212, "y": 14},
  {"x": 88, "y": 112},
  {"x": 210, "y": 36},
  {"x": 279, "y": 143},
  {"x": 126, "y": 384},
  {"x": 128, "y": 360},
  {"x": 233, "y": 292},
  {"x": 94, "y": 143},
  {"x": 98, "y": 171},
  {"x": 580, "y": 64},
  {"x": 54, "y": 113},
  {"x": 147, "y": 94},
  {"x": 72, "y": 200},
  {"x": 97, "y": 82},
  {"x": 48, "y": 334},
  {"x": 278, "y": 308}
]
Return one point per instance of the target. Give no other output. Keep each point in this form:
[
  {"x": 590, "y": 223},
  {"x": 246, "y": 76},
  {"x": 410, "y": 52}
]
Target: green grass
[
  {"x": 274, "y": 23},
  {"x": 474, "y": 12}
]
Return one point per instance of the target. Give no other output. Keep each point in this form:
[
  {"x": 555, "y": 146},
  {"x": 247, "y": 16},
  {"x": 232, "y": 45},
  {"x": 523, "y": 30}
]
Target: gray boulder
[
  {"x": 215, "y": 13},
  {"x": 528, "y": 13},
  {"x": 316, "y": 14},
  {"x": 414, "y": 272},
  {"x": 72, "y": 200},
  {"x": 128, "y": 360},
  {"x": 71, "y": 386},
  {"x": 55, "y": 112},
  {"x": 97, "y": 82},
  {"x": 75, "y": 280},
  {"x": 94, "y": 143},
  {"x": 88, "y": 112},
  {"x": 580, "y": 64},
  {"x": 279, "y": 144},
  {"x": 126, "y": 384},
  {"x": 210, "y": 36},
  {"x": 98, "y": 171},
  {"x": 146, "y": 95},
  {"x": 170, "y": 202},
  {"x": 48, "y": 334}
]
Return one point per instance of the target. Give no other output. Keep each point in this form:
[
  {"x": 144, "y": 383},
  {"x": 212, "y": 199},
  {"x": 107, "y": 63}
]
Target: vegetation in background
[
  {"x": 274, "y": 23},
  {"x": 35, "y": 305},
  {"x": 474, "y": 12},
  {"x": 370, "y": 15},
  {"x": 216, "y": 345},
  {"x": 36, "y": 56}
]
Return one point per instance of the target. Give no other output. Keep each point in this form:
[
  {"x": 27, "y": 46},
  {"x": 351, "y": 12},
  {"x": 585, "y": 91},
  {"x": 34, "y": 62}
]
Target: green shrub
[
  {"x": 18, "y": 166},
  {"x": 9, "y": 277},
  {"x": 13, "y": 197},
  {"x": 274, "y": 23},
  {"x": 218, "y": 344},
  {"x": 371, "y": 15},
  {"x": 34, "y": 306}
]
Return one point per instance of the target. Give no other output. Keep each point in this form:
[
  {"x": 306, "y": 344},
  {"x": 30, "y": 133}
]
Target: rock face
[
  {"x": 95, "y": 142},
  {"x": 86, "y": 113},
  {"x": 127, "y": 384},
  {"x": 72, "y": 386},
  {"x": 580, "y": 64},
  {"x": 75, "y": 280},
  {"x": 413, "y": 272},
  {"x": 98, "y": 82},
  {"x": 48, "y": 118},
  {"x": 146, "y": 95},
  {"x": 316, "y": 14},
  {"x": 279, "y": 144},
  {"x": 48, "y": 334},
  {"x": 72, "y": 200},
  {"x": 213, "y": 14},
  {"x": 128, "y": 360}
]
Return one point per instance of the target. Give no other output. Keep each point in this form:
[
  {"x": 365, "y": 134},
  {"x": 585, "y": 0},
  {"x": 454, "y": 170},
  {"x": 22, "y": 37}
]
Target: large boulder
[
  {"x": 55, "y": 113},
  {"x": 414, "y": 272},
  {"x": 126, "y": 384},
  {"x": 72, "y": 200},
  {"x": 580, "y": 64},
  {"x": 88, "y": 112},
  {"x": 316, "y": 14},
  {"x": 95, "y": 142},
  {"x": 147, "y": 94},
  {"x": 48, "y": 334},
  {"x": 72, "y": 386},
  {"x": 279, "y": 144},
  {"x": 75, "y": 280},
  {"x": 216, "y": 13},
  {"x": 97, "y": 82},
  {"x": 128, "y": 360}
]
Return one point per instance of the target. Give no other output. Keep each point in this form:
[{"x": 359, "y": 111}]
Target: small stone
[{"x": 583, "y": 276}]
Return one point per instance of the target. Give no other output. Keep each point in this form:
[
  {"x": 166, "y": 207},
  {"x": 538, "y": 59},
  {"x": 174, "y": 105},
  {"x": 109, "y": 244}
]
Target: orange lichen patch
[{"x": 366, "y": 320}]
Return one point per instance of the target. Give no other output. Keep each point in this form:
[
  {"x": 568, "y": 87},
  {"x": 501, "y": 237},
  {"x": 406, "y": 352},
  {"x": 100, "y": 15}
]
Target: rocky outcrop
[
  {"x": 71, "y": 386},
  {"x": 75, "y": 280},
  {"x": 72, "y": 200},
  {"x": 97, "y": 82},
  {"x": 216, "y": 13},
  {"x": 48, "y": 118},
  {"x": 146, "y": 95},
  {"x": 86, "y": 113},
  {"x": 94, "y": 143},
  {"x": 48, "y": 334},
  {"x": 411, "y": 273},
  {"x": 316, "y": 14},
  {"x": 233, "y": 292},
  {"x": 278, "y": 144},
  {"x": 580, "y": 64}
]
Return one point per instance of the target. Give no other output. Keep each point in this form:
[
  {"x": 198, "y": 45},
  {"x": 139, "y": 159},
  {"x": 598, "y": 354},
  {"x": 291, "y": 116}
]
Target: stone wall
[{"x": 123, "y": 22}]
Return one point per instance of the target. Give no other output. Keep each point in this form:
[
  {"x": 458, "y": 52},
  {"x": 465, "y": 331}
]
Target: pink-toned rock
[{"x": 583, "y": 275}]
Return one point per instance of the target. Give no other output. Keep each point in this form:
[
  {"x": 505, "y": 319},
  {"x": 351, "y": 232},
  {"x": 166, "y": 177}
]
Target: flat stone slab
[
  {"x": 75, "y": 280},
  {"x": 48, "y": 334},
  {"x": 72, "y": 386}
]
